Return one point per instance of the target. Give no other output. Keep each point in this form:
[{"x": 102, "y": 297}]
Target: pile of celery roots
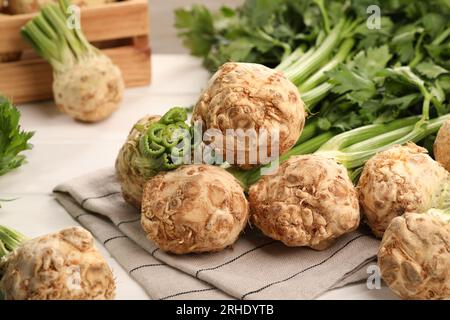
[{"x": 355, "y": 124}]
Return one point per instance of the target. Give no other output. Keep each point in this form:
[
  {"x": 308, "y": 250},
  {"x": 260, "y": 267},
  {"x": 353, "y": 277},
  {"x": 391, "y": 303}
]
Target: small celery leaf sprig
[
  {"x": 166, "y": 141},
  {"x": 13, "y": 140}
]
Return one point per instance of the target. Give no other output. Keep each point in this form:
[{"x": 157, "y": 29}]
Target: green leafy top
[
  {"x": 262, "y": 31},
  {"x": 13, "y": 140}
]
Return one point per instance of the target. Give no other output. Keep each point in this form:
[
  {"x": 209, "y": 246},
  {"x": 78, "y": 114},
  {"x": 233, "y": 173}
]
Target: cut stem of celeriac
[{"x": 86, "y": 84}]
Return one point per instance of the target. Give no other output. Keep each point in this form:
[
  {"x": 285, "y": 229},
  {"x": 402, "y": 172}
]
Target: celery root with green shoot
[
  {"x": 13, "y": 140},
  {"x": 64, "y": 265},
  {"x": 86, "y": 85}
]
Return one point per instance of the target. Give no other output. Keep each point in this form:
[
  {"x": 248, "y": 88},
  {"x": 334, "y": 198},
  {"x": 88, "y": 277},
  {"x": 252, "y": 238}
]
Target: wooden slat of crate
[
  {"x": 112, "y": 21},
  {"x": 31, "y": 80}
]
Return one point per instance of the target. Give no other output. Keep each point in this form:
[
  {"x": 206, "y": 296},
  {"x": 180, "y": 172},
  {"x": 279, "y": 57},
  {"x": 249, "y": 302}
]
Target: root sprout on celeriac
[
  {"x": 86, "y": 85},
  {"x": 59, "y": 266},
  {"x": 414, "y": 256},
  {"x": 195, "y": 208},
  {"x": 442, "y": 146},
  {"x": 150, "y": 147}
]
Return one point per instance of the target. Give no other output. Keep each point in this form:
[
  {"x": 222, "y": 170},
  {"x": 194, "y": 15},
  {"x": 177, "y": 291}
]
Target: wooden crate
[{"x": 120, "y": 29}]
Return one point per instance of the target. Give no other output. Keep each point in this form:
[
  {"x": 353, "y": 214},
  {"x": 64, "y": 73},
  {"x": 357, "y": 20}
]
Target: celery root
[
  {"x": 10, "y": 56},
  {"x": 252, "y": 96},
  {"x": 154, "y": 144},
  {"x": 91, "y": 91}
]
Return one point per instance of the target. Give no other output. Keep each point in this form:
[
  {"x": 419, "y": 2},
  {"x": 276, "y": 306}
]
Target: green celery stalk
[
  {"x": 353, "y": 148},
  {"x": 49, "y": 35},
  {"x": 362, "y": 134},
  {"x": 300, "y": 71}
]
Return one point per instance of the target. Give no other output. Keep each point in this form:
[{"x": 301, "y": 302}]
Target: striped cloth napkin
[{"x": 256, "y": 267}]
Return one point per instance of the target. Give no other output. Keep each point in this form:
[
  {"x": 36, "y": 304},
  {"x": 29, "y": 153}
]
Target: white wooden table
[{"x": 64, "y": 149}]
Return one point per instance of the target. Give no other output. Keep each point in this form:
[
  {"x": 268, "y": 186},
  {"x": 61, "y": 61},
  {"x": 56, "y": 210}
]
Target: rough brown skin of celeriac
[
  {"x": 442, "y": 145},
  {"x": 251, "y": 96},
  {"x": 130, "y": 172},
  {"x": 414, "y": 257},
  {"x": 401, "y": 179},
  {"x": 196, "y": 208},
  {"x": 310, "y": 202},
  {"x": 59, "y": 266},
  {"x": 9, "y": 56}
]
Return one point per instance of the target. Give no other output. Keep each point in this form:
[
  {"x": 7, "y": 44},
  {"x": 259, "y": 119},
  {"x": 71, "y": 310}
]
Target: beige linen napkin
[{"x": 256, "y": 267}]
